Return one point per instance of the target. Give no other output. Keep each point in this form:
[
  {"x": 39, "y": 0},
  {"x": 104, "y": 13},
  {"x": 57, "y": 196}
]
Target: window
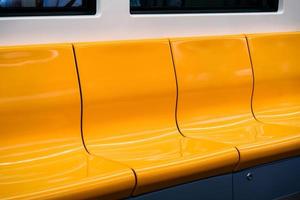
[
  {"x": 201, "y": 6},
  {"x": 47, "y": 7}
]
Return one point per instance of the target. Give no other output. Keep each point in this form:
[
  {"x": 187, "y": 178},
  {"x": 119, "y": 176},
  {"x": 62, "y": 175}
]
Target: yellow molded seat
[
  {"x": 129, "y": 100},
  {"x": 215, "y": 86},
  {"x": 276, "y": 63},
  {"x": 41, "y": 151}
]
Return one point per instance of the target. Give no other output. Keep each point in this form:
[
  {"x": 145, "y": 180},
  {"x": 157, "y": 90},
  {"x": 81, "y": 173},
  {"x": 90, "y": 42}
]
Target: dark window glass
[
  {"x": 47, "y": 7},
  {"x": 201, "y": 6}
]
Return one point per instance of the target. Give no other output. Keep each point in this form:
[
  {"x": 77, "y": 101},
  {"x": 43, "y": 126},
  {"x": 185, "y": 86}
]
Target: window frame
[
  {"x": 89, "y": 9},
  {"x": 202, "y": 11}
]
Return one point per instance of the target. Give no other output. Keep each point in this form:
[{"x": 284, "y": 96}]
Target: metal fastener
[{"x": 249, "y": 176}]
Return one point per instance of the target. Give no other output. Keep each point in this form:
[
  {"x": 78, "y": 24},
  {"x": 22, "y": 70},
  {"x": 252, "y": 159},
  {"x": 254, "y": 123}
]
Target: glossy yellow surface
[
  {"x": 276, "y": 62},
  {"x": 129, "y": 95},
  {"x": 215, "y": 83},
  {"x": 129, "y": 119},
  {"x": 41, "y": 151},
  {"x": 215, "y": 86}
]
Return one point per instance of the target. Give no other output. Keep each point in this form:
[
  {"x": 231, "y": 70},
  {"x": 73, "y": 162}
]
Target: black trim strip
[
  {"x": 177, "y": 88},
  {"x": 81, "y": 100},
  {"x": 253, "y": 79}
]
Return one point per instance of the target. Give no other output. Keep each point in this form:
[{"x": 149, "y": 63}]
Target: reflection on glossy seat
[
  {"x": 129, "y": 98},
  {"x": 41, "y": 152},
  {"x": 215, "y": 88}
]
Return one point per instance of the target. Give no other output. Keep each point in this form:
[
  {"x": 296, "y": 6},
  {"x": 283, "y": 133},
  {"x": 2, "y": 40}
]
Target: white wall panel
[{"x": 114, "y": 22}]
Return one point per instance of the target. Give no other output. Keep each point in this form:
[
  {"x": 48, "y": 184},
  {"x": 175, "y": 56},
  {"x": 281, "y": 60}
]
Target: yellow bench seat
[
  {"x": 129, "y": 99},
  {"x": 215, "y": 87},
  {"x": 41, "y": 151},
  {"x": 114, "y": 119}
]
